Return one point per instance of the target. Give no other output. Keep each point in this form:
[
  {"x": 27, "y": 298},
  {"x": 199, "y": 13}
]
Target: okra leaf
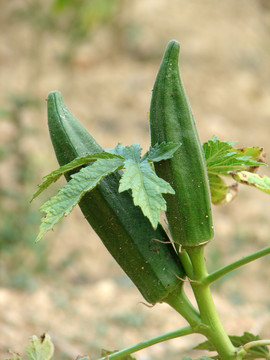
[
  {"x": 205, "y": 345},
  {"x": 222, "y": 159},
  {"x": 40, "y": 348},
  {"x": 248, "y": 178},
  {"x": 80, "y": 161},
  {"x": 139, "y": 176},
  {"x": 161, "y": 151},
  {"x": 70, "y": 195},
  {"x": 221, "y": 192},
  {"x": 255, "y": 352},
  {"x": 132, "y": 152},
  {"x": 238, "y": 341},
  {"x": 146, "y": 187},
  {"x": 255, "y": 153}
]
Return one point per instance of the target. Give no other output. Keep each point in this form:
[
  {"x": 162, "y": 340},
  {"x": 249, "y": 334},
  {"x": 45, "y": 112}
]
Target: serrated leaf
[
  {"x": 148, "y": 195},
  {"x": 260, "y": 182},
  {"x": 147, "y": 189},
  {"x": 70, "y": 195},
  {"x": 40, "y": 348},
  {"x": 238, "y": 341},
  {"x": 161, "y": 151},
  {"x": 78, "y": 162},
  {"x": 221, "y": 193},
  {"x": 243, "y": 339},
  {"x": 221, "y": 158},
  {"x": 254, "y": 352},
  {"x": 214, "y": 148},
  {"x": 132, "y": 152},
  {"x": 105, "y": 353},
  {"x": 255, "y": 153},
  {"x": 205, "y": 345}
]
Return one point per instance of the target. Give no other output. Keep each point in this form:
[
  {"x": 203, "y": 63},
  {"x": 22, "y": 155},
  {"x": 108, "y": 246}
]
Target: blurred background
[{"x": 103, "y": 56}]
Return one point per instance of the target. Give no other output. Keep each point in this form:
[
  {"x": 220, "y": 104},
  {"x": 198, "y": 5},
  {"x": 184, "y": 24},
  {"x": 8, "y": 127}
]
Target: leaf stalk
[
  {"x": 207, "y": 280},
  {"x": 147, "y": 343}
]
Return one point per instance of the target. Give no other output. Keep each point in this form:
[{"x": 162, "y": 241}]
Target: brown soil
[{"x": 90, "y": 304}]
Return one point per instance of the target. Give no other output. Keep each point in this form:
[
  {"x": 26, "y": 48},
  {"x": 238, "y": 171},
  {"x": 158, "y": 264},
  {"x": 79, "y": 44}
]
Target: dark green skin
[
  {"x": 189, "y": 210},
  {"x": 129, "y": 237}
]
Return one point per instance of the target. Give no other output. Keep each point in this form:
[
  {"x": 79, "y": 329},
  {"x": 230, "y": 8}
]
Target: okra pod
[
  {"x": 143, "y": 253},
  {"x": 189, "y": 210}
]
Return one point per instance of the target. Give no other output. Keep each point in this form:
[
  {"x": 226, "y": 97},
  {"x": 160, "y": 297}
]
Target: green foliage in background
[
  {"x": 82, "y": 16},
  {"x": 74, "y": 20},
  {"x": 18, "y": 221}
]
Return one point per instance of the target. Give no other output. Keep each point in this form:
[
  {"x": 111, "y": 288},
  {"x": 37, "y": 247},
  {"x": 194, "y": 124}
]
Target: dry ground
[{"x": 225, "y": 54}]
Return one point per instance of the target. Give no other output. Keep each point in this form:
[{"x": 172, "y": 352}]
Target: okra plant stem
[
  {"x": 145, "y": 344},
  {"x": 185, "y": 261},
  {"x": 228, "y": 268},
  {"x": 180, "y": 303},
  {"x": 213, "y": 329}
]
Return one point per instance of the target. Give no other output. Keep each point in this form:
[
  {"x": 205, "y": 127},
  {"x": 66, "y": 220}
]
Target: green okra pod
[
  {"x": 143, "y": 253},
  {"x": 189, "y": 210}
]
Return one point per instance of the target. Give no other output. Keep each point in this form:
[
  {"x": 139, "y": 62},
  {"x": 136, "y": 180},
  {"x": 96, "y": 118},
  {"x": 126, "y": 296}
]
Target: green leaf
[
  {"x": 238, "y": 341},
  {"x": 40, "y": 348},
  {"x": 255, "y": 153},
  {"x": 147, "y": 189},
  {"x": 70, "y": 195},
  {"x": 254, "y": 352},
  {"x": 78, "y": 162},
  {"x": 161, "y": 151},
  {"x": 221, "y": 193},
  {"x": 132, "y": 152},
  {"x": 221, "y": 158},
  {"x": 248, "y": 178},
  {"x": 244, "y": 339},
  {"x": 205, "y": 345},
  {"x": 139, "y": 176}
]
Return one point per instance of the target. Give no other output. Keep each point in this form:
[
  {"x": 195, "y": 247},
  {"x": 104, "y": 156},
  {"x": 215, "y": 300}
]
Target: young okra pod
[
  {"x": 143, "y": 253},
  {"x": 189, "y": 210}
]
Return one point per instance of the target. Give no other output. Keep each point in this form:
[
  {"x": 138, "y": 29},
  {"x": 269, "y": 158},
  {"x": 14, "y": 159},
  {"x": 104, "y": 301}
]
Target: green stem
[
  {"x": 244, "y": 349},
  {"x": 185, "y": 260},
  {"x": 180, "y": 303},
  {"x": 213, "y": 329},
  {"x": 251, "y": 344},
  {"x": 144, "y": 344},
  {"x": 228, "y": 268}
]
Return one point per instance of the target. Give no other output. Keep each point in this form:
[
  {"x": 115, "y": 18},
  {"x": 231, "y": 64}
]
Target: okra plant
[{"x": 178, "y": 176}]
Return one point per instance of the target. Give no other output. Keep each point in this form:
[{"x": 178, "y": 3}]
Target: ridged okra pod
[
  {"x": 189, "y": 210},
  {"x": 144, "y": 254}
]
